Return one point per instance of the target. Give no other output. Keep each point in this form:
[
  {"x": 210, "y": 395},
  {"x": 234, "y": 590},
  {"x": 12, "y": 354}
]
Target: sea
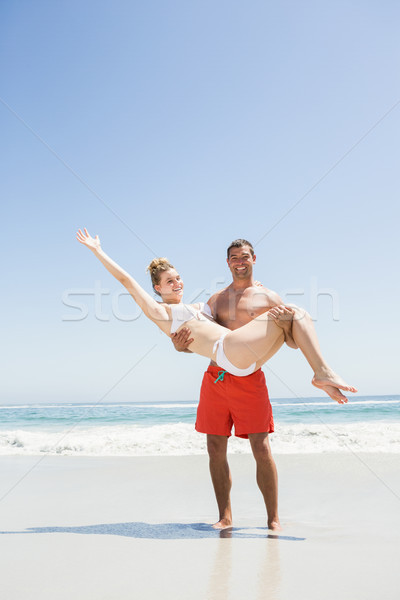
[{"x": 302, "y": 425}]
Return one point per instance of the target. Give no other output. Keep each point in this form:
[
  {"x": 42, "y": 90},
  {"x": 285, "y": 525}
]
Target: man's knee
[
  {"x": 217, "y": 446},
  {"x": 260, "y": 446}
]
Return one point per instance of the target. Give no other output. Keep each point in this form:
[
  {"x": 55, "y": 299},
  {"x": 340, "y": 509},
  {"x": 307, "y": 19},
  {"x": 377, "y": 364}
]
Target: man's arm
[
  {"x": 181, "y": 340},
  {"x": 212, "y": 305}
]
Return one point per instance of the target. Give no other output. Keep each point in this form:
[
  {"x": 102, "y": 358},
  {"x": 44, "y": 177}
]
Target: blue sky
[{"x": 171, "y": 128}]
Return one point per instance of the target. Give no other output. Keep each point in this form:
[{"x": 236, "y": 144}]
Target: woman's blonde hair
[{"x": 155, "y": 268}]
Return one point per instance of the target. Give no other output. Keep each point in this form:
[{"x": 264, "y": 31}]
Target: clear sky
[{"x": 170, "y": 128}]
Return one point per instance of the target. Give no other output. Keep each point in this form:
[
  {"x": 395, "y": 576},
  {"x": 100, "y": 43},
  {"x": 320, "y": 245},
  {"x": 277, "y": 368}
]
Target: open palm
[{"x": 86, "y": 239}]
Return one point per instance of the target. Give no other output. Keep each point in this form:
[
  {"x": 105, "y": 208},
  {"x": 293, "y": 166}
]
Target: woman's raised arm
[{"x": 152, "y": 309}]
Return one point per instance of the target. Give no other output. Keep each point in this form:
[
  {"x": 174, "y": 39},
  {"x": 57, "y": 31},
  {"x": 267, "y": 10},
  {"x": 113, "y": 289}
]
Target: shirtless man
[{"x": 227, "y": 400}]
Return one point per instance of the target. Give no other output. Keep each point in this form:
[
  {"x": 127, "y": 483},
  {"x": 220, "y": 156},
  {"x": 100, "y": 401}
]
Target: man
[{"x": 227, "y": 400}]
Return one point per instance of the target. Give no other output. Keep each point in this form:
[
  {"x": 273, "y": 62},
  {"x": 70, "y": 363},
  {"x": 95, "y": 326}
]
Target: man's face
[{"x": 240, "y": 263}]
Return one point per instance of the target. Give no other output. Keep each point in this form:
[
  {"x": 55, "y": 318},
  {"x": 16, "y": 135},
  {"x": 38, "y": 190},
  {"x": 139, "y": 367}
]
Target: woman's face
[{"x": 170, "y": 287}]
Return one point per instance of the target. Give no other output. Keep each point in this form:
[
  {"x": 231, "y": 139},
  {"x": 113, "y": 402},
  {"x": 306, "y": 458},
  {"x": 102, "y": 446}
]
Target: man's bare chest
[{"x": 235, "y": 310}]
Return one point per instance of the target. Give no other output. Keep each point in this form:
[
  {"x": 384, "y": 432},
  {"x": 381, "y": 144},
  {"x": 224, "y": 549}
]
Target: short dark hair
[{"x": 239, "y": 243}]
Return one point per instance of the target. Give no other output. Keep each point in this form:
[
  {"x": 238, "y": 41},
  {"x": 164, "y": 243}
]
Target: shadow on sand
[{"x": 162, "y": 531}]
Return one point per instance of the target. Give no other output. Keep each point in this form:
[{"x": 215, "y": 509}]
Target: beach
[
  {"x": 142, "y": 135},
  {"x": 139, "y": 527}
]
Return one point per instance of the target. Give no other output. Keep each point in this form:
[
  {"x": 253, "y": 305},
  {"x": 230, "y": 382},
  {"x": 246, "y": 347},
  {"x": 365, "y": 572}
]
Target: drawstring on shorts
[{"x": 221, "y": 375}]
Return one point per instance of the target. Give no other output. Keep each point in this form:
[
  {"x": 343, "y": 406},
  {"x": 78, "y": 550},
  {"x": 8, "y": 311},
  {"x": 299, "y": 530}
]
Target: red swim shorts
[{"x": 239, "y": 401}]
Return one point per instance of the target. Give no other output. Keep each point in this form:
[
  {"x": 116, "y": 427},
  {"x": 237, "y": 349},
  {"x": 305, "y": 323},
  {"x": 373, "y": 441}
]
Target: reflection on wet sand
[
  {"x": 255, "y": 569},
  {"x": 220, "y": 574}
]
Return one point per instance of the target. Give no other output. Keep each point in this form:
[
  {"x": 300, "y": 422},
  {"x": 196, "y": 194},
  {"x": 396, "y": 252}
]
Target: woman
[{"x": 241, "y": 351}]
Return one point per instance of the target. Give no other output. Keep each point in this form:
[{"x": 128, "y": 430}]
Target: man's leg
[
  {"x": 217, "y": 446},
  {"x": 267, "y": 476}
]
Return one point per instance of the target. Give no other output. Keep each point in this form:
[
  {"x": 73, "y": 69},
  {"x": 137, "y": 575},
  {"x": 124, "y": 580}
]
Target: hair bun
[
  {"x": 159, "y": 264},
  {"x": 156, "y": 267}
]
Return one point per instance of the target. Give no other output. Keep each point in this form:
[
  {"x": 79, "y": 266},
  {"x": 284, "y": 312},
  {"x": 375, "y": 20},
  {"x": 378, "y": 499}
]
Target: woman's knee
[{"x": 299, "y": 313}]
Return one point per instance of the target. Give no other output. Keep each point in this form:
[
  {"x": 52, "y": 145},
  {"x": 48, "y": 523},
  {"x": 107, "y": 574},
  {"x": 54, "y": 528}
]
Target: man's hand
[
  {"x": 283, "y": 317},
  {"x": 181, "y": 339}
]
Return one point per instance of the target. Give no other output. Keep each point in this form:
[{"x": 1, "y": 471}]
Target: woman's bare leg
[
  {"x": 260, "y": 339},
  {"x": 325, "y": 378},
  {"x": 255, "y": 342}
]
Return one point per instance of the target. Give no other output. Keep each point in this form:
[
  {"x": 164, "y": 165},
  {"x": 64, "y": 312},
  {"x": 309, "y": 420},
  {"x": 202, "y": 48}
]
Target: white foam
[
  {"x": 354, "y": 403},
  {"x": 15, "y": 406},
  {"x": 162, "y": 405},
  {"x": 182, "y": 405},
  {"x": 181, "y": 439}
]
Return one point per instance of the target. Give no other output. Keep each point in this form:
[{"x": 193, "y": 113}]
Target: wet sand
[{"x": 116, "y": 528}]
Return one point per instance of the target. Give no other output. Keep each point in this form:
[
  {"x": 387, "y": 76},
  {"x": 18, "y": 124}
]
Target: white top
[{"x": 182, "y": 313}]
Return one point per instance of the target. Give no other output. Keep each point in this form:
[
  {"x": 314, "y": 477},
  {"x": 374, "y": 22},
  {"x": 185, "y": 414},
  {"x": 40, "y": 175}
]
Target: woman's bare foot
[
  {"x": 334, "y": 393},
  {"x": 327, "y": 377}
]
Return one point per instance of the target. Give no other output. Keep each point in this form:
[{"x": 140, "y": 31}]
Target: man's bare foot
[
  {"x": 223, "y": 524},
  {"x": 274, "y": 525}
]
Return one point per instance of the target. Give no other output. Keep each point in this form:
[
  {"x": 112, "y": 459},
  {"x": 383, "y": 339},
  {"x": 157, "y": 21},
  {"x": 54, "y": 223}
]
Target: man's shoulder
[
  {"x": 273, "y": 296},
  {"x": 217, "y": 300},
  {"x": 263, "y": 289},
  {"x": 263, "y": 296},
  {"x": 220, "y": 292}
]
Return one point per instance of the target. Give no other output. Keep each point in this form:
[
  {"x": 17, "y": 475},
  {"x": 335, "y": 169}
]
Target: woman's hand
[{"x": 87, "y": 240}]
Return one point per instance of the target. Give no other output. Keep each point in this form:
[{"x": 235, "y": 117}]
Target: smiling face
[
  {"x": 170, "y": 287},
  {"x": 240, "y": 263}
]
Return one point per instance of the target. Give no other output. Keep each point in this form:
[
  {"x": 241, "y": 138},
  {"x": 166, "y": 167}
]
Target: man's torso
[{"x": 234, "y": 308}]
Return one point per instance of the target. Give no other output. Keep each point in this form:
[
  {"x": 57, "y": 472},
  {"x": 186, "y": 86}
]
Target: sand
[{"x": 116, "y": 528}]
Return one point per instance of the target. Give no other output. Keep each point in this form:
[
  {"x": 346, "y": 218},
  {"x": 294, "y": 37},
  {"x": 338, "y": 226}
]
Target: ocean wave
[
  {"x": 276, "y": 402},
  {"x": 181, "y": 439},
  {"x": 354, "y": 403},
  {"x": 166, "y": 405},
  {"x": 77, "y": 406}
]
